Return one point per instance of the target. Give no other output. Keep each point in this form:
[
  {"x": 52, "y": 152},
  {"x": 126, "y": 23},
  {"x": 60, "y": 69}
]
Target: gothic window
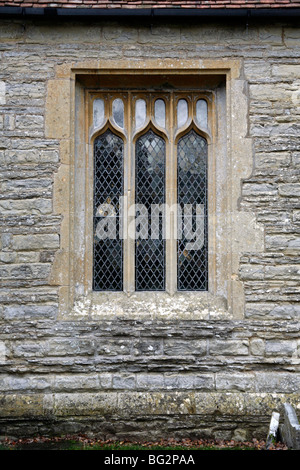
[
  {"x": 108, "y": 188},
  {"x": 150, "y": 192},
  {"x": 192, "y": 265},
  {"x": 150, "y": 155}
]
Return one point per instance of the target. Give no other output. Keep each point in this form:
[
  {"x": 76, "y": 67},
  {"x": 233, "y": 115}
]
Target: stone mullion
[
  {"x": 171, "y": 176},
  {"x": 128, "y": 255}
]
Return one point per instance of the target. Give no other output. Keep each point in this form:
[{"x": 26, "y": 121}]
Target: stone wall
[{"x": 217, "y": 377}]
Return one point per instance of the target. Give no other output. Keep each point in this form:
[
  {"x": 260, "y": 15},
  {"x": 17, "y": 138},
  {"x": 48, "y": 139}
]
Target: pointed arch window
[
  {"x": 150, "y": 182},
  {"x": 192, "y": 250},
  {"x": 150, "y": 191},
  {"x": 108, "y": 188}
]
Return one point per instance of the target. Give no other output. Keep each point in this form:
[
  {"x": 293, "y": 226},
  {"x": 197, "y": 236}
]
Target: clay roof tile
[{"x": 201, "y": 4}]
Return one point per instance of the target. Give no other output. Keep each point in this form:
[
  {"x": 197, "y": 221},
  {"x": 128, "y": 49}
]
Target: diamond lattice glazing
[
  {"x": 192, "y": 264},
  {"x": 150, "y": 189},
  {"x": 108, "y": 187}
]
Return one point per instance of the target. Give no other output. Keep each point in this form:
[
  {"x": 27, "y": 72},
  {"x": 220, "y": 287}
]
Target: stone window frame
[{"x": 67, "y": 122}]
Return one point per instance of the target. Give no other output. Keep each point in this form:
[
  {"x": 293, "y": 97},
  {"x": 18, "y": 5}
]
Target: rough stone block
[
  {"x": 157, "y": 34},
  {"x": 106, "y": 380},
  {"x": 35, "y": 242},
  {"x": 27, "y": 271},
  {"x": 282, "y": 311},
  {"x": 284, "y": 348},
  {"x": 124, "y": 382},
  {"x": 7, "y": 257},
  {"x": 22, "y": 405},
  {"x": 230, "y": 347},
  {"x": 70, "y": 347},
  {"x": 290, "y": 430},
  {"x": 272, "y": 160},
  {"x": 115, "y": 33},
  {"x": 282, "y": 382},
  {"x": 273, "y": 310},
  {"x": 2, "y": 92},
  {"x": 287, "y": 244},
  {"x": 286, "y": 71},
  {"x": 235, "y": 382},
  {"x": 289, "y": 190},
  {"x": 269, "y": 92},
  {"x": 296, "y": 158},
  {"x": 257, "y": 347},
  {"x": 30, "y": 312},
  {"x": 26, "y": 206},
  {"x": 252, "y": 272},
  {"x": 88, "y": 33},
  {"x": 270, "y": 35},
  {"x": 296, "y": 215},
  {"x": 2, "y": 352},
  {"x": 257, "y": 190},
  {"x": 85, "y": 404},
  {"x": 291, "y": 36},
  {"x": 255, "y": 70},
  {"x": 288, "y": 272},
  {"x": 14, "y": 383},
  {"x": 66, "y": 383},
  {"x": 179, "y": 347},
  {"x": 147, "y": 347},
  {"x": 29, "y": 122},
  {"x": 9, "y": 122},
  {"x": 114, "y": 346},
  {"x": 149, "y": 382}
]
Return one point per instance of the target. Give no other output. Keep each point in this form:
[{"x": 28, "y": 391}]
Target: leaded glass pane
[
  {"x": 108, "y": 187},
  {"x": 201, "y": 113},
  {"x": 160, "y": 112},
  {"x": 149, "y": 190},
  {"x": 118, "y": 112},
  {"x": 192, "y": 248},
  {"x": 140, "y": 113},
  {"x": 182, "y": 112},
  {"x": 98, "y": 112}
]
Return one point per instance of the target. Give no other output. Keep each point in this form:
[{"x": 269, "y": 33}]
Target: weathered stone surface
[
  {"x": 177, "y": 347},
  {"x": 29, "y": 312},
  {"x": 272, "y": 436},
  {"x": 35, "y": 242},
  {"x": 2, "y": 352},
  {"x": 257, "y": 347},
  {"x": 2, "y": 92},
  {"x": 281, "y": 348},
  {"x": 283, "y": 242},
  {"x": 85, "y": 404},
  {"x": 27, "y": 206},
  {"x": 289, "y": 190},
  {"x": 272, "y": 160},
  {"x": 272, "y": 310},
  {"x": 141, "y": 367},
  {"x": 288, "y": 273},
  {"x": 229, "y": 347},
  {"x": 240, "y": 382},
  {"x": 290, "y": 428}
]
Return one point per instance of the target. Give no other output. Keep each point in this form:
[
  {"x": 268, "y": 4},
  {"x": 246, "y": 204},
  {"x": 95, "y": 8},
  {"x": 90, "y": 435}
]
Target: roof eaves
[{"x": 150, "y": 12}]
